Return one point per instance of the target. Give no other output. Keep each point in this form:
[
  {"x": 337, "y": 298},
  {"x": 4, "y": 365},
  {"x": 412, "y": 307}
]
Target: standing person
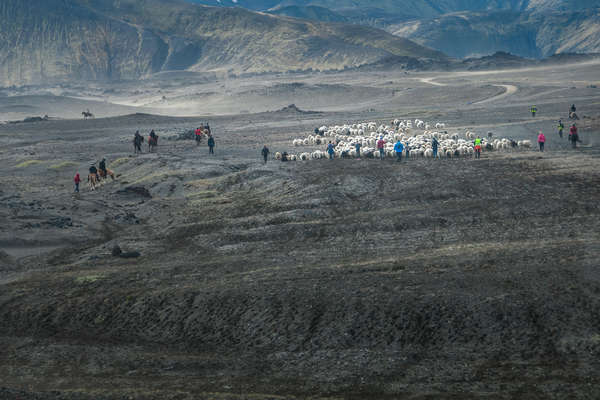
[
  {"x": 398, "y": 147},
  {"x": 265, "y": 153},
  {"x": 199, "y": 131},
  {"x": 434, "y": 147},
  {"x": 407, "y": 148},
  {"x": 137, "y": 142},
  {"x": 380, "y": 147},
  {"x": 77, "y": 181},
  {"x": 211, "y": 145},
  {"x": 541, "y": 141},
  {"x": 533, "y": 111},
  {"x": 330, "y": 150},
  {"x": 561, "y": 127},
  {"x": 357, "y": 147},
  {"x": 477, "y": 144},
  {"x": 574, "y": 136}
]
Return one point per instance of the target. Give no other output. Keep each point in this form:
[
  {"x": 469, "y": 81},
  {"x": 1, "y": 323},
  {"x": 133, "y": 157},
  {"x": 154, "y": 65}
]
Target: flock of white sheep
[{"x": 416, "y": 136}]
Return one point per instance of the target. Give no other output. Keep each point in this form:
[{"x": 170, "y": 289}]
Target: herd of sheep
[{"x": 416, "y": 136}]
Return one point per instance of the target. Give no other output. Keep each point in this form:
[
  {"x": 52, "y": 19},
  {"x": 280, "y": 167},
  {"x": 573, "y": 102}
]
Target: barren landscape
[{"x": 367, "y": 279}]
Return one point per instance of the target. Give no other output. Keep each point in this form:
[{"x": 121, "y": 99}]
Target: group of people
[
  {"x": 200, "y": 132},
  {"x": 102, "y": 172},
  {"x": 139, "y": 139},
  {"x": 573, "y": 133},
  {"x": 95, "y": 175}
]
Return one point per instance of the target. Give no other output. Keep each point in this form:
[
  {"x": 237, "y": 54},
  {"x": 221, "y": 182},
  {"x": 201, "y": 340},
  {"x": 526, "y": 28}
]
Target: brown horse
[
  {"x": 92, "y": 181},
  {"x": 104, "y": 175}
]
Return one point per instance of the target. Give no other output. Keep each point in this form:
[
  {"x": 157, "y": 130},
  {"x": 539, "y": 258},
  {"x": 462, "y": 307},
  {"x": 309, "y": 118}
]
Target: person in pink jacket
[{"x": 541, "y": 141}]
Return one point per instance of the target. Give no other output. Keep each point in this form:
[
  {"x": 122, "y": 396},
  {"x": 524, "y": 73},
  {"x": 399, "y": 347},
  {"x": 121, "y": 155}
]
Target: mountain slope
[
  {"x": 46, "y": 40},
  {"x": 391, "y": 11},
  {"x": 314, "y": 13},
  {"x": 463, "y": 28},
  {"x": 527, "y": 34}
]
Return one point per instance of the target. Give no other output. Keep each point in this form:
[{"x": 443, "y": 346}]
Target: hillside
[
  {"x": 314, "y": 13},
  {"x": 527, "y": 34},
  {"x": 463, "y": 28},
  {"x": 47, "y": 40},
  {"x": 391, "y": 11}
]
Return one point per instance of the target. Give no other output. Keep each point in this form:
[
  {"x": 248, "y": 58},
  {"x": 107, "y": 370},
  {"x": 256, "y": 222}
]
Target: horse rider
[
  {"x": 94, "y": 171},
  {"x": 102, "y": 167}
]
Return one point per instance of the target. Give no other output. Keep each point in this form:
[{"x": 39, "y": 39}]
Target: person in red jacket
[
  {"x": 574, "y": 136},
  {"x": 77, "y": 180},
  {"x": 380, "y": 147},
  {"x": 541, "y": 141},
  {"x": 199, "y": 132}
]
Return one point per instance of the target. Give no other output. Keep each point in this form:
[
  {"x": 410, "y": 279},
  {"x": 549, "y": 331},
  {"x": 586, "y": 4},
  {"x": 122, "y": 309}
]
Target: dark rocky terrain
[{"x": 455, "y": 278}]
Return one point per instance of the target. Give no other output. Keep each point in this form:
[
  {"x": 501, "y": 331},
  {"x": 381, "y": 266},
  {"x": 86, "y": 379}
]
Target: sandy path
[
  {"x": 510, "y": 90},
  {"x": 431, "y": 82}
]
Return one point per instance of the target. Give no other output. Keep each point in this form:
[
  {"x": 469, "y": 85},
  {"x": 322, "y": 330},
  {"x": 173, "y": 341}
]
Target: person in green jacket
[
  {"x": 477, "y": 144},
  {"x": 561, "y": 127}
]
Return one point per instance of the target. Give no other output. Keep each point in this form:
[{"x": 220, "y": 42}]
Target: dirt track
[{"x": 327, "y": 279}]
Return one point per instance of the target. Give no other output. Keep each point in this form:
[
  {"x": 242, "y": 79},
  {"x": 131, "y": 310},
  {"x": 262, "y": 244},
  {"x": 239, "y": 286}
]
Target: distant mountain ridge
[
  {"x": 462, "y": 28},
  {"x": 401, "y": 10},
  {"x": 46, "y": 40},
  {"x": 527, "y": 34}
]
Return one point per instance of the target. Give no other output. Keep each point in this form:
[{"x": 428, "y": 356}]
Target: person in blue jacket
[
  {"x": 434, "y": 147},
  {"x": 330, "y": 150},
  {"x": 398, "y": 147}
]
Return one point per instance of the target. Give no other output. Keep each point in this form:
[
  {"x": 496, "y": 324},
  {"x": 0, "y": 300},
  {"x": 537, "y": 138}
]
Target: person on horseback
[
  {"x": 93, "y": 177},
  {"x": 94, "y": 171},
  {"x": 152, "y": 141},
  {"x": 105, "y": 172},
  {"x": 102, "y": 167}
]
